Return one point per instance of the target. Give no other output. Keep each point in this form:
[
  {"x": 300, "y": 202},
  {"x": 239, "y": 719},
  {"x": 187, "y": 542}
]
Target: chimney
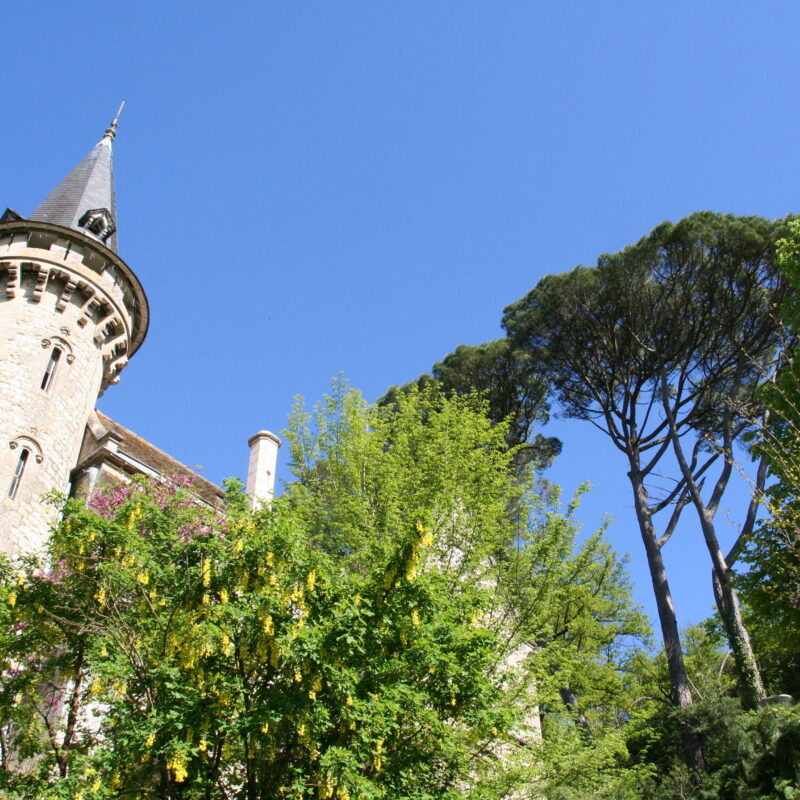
[{"x": 264, "y": 448}]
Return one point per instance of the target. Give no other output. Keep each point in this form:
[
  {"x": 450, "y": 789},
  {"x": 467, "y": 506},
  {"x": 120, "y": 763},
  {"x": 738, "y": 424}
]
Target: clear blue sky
[{"x": 308, "y": 188}]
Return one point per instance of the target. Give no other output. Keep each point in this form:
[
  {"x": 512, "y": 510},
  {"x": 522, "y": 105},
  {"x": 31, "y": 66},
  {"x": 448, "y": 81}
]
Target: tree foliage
[
  {"x": 397, "y": 625},
  {"x": 771, "y": 586},
  {"x": 514, "y": 388},
  {"x": 663, "y": 346}
]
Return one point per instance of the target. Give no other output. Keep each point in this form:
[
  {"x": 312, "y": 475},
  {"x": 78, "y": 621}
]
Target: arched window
[
  {"x": 18, "y": 472},
  {"x": 50, "y": 369}
]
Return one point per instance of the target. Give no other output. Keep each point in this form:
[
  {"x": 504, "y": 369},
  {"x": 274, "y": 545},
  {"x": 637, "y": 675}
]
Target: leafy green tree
[
  {"x": 662, "y": 344},
  {"x": 750, "y": 755},
  {"x": 771, "y": 587},
  {"x": 515, "y": 390},
  {"x": 372, "y": 635}
]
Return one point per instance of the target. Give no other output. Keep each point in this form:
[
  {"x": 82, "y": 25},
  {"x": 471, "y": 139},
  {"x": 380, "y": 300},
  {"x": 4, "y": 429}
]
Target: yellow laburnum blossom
[
  {"x": 12, "y": 599},
  {"x": 348, "y": 701},
  {"x": 177, "y": 764},
  {"x": 415, "y": 617},
  {"x": 143, "y": 578},
  {"x": 427, "y": 539},
  {"x": 265, "y": 727},
  {"x": 223, "y": 595},
  {"x": 298, "y": 676},
  {"x": 205, "y": 572},
  {"x": 205, "y": 599},
  {"x": 269, "y": 558},
  {"x": 237, "y": 547},
  {"x": 202, "y": 745},
  {"x": 317, "y": 685},
  {"x": 311, "y": 580},
  {"x": 103, "y": 651},
  {"x": 312, "y": 695},
  {"x": 150, "y": 741},
  {"x": 268, "y": 625}
]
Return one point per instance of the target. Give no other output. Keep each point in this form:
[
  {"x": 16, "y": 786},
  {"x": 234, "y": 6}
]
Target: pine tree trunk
[
  {"x": 751, "y": 688},
  {"x": 679, "y": 682}
]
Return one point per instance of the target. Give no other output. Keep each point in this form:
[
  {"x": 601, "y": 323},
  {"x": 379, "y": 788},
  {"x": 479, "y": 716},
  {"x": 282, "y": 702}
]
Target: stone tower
[{"x": 71, "y": 315}]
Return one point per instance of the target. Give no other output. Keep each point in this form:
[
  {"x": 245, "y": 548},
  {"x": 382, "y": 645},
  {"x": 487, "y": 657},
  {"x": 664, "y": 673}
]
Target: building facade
[{"x": 72, "y": 314}]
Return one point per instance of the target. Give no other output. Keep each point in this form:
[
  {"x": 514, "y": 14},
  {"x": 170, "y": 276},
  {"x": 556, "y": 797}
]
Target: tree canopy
[
  {"x": 401, "y": 623},
  {"x": 663, "y": 346}
]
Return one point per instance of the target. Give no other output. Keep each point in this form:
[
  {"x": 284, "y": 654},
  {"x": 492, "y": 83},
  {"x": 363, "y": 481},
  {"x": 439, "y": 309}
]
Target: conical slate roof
[{"x": 88, "y": 188}]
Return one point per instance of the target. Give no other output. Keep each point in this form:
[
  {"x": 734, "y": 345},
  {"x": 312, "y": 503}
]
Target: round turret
[{"x": 71, "y": 315}]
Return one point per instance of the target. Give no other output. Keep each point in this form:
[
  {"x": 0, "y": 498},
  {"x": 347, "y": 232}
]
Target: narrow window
[
  {"x": 50, "y": 370},
  {"x": 17, "y": 479}
]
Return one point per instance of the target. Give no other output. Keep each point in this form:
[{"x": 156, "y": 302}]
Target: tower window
[
  {"x": 50, "y": 369},
  {"x": 18, "y": 472}
]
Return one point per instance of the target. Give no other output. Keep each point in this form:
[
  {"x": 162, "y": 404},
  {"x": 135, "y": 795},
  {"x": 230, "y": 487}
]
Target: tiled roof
[{"x": 139, "y": 449}]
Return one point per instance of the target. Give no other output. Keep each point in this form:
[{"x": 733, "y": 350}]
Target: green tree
[
  {"x": 515, "y": 390},
  {"x": 370, "y": 636},
  {"x": 662, "y": 344},
  {"x": 771, "y": 587}
]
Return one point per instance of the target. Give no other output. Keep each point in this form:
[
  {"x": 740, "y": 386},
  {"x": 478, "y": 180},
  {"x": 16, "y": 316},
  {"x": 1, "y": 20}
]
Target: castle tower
[{"x": 71, "y": 315}]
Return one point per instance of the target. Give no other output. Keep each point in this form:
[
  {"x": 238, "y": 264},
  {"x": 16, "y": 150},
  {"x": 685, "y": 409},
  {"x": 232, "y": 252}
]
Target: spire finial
[{"x": 111, "y": 131}]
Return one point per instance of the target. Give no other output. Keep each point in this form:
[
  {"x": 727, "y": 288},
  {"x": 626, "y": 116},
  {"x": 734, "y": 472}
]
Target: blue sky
[{"x": 309, "y": 188}]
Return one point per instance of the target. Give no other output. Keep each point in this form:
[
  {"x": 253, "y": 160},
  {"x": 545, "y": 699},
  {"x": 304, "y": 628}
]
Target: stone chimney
[{"x": 264, "y": 448}]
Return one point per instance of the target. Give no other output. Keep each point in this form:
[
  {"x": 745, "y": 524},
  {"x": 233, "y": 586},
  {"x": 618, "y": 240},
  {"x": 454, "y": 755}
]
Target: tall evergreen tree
[{"x": 662, "y": 346}]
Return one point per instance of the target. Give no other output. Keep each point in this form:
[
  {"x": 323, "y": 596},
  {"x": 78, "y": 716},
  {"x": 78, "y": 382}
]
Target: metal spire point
[{"x": 111, "y": 131}]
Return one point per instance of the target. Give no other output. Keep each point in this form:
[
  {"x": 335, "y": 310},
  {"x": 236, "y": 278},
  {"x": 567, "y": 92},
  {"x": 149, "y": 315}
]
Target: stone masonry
[{"x": 58, "y": 289}]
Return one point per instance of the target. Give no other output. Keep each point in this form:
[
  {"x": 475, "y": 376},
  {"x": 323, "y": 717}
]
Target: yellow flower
[
  {"x": 223, "y": 595},
  {"x": 150, "y": 741},
  {"x": 270, "y": 558},
  {"x": 415, "y": 617},
  {"x": 267, "y": 625},
  {"x": 237, "y": 547},
  {"x": 205, "y": 572},
  {"x": 12, "y": 599},
  {"x": 348, "y": 701},
  {"x": 427, "y": 539},
  {"x": 265, "y": 727},
  {"x": 103, "y": 651},
  {"x": 311, "y": 579},
  {"x": 177, "y": 763},
  {"x": 143, "y": 578},
  {"x": 312, "y": 695},
  {"x": 202, "y": 745},
  {"x": 205, "y": 599},
  {"x": 298, "y": 676}
]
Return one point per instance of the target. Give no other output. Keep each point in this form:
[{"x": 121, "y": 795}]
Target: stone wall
[{"x": 54, "y": 293}]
